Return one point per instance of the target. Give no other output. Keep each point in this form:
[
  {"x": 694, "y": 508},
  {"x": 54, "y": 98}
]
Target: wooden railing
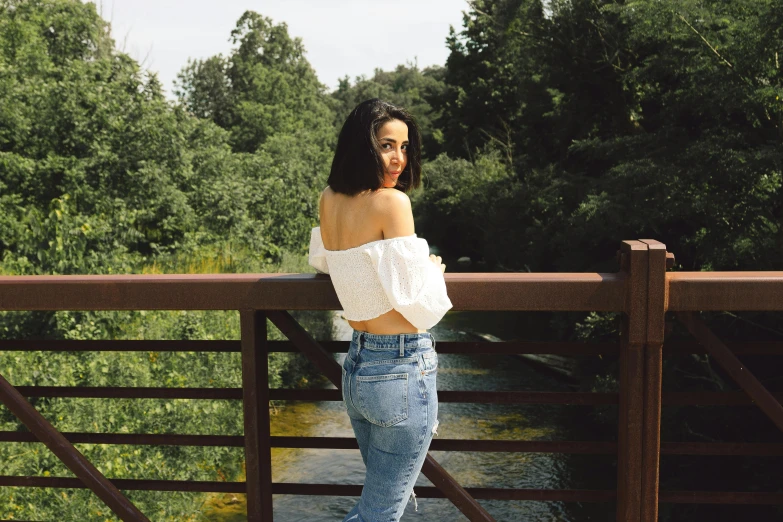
[{"x": 642, "y": 290}]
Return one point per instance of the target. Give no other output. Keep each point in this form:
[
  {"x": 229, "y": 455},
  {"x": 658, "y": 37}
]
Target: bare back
[{"x": 351, "y": 221}]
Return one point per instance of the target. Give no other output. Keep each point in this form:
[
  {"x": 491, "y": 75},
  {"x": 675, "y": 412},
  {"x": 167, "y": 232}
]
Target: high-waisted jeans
[{"x": 389, "y": 391}]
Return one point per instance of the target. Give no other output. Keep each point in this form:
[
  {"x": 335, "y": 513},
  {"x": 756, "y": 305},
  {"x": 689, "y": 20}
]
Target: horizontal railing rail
[{"x": 486, "y": 291}]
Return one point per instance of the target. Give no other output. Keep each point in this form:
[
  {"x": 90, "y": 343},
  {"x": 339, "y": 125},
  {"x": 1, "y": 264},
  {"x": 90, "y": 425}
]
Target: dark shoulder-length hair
[{"x": 357, "y": 165}]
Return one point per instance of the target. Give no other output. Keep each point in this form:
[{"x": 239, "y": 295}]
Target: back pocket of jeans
[{"x": 383, "y": 399}]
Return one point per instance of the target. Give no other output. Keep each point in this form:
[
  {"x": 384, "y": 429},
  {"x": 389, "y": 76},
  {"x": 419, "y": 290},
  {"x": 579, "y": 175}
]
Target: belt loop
[
  {"x": 361, "y": 336},
  {"x": 402, "y": 345},
  {"x": 433, "y": 340}
]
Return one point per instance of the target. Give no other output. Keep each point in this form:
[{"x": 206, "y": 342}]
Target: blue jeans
[{"x": 389, "y": 391}]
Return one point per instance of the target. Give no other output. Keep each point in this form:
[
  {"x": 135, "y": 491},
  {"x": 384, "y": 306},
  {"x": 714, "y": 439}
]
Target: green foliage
[
  {"x": 264, "y": 88},
  {"x": 85, "y": 136},
  {"x": 460, "y": 204},
  {"x": 494, "y": 81},
  {"x": 279, "y": 126},
  {"x": 100, "y": 174},
  {"x": 622, "y": 120},
  {"x": 407, "y": 87}
]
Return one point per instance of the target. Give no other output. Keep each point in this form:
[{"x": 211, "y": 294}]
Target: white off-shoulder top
[{"x": 373, "y": 278}]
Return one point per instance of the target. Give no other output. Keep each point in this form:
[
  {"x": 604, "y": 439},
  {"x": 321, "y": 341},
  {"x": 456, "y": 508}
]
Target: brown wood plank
[
  {"x": 734, "y": 367},
  {"x": 110, "y": 392},
  {"x": 481, "y": 397},
  {"x": 710, "y": 398},
  {"x": 255, "y": 403},
  {"x": 736, "y": 291},
  {"x": 140, "y": 439},
  {"x": 631, "y": 377},
  {"x": 542, "y": 495},
  {"x": 515, "y": 446},
  {"x": 87, "y": 474},
  {"x": 468, "y": 291},
  {"x": 722, "y": 448},
  {"x": 119, "y": 346},
  {"x": 284, "y": 488},
  {"x": 511, "y": 446},
  {"x": 653, "y": 378},
  {"x": 127, "y": 484},
  {"x": 510, "y": 347},
  {"x": 736, "y": 347},
  {"x": 551, "y": 495},
  {"x": 500, "y": 397},
  {"x": 500, "y": 446},
  {"x": 721, "y": 497},
  {"x": 280, "y": 394}
]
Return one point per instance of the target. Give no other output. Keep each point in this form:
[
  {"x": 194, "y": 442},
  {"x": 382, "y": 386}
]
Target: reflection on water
[{"x": 457, "y": 421}]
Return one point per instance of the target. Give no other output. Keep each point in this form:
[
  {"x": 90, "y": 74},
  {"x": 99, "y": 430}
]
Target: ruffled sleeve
[
  {"x": 317, "y": 255},
  {"x": 413, "y": 284}
]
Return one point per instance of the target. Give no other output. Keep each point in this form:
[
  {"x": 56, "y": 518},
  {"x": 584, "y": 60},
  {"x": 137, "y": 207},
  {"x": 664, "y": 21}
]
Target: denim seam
[
  {"x": 420, "y": 377},
  {"x": 406, "y": 360},
  {"x": 394, "y": 348},
  {"x": 409, "y": 472},
  {"x": 377, "y": 378}
]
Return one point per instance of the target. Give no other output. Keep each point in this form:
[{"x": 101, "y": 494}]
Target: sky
[{"x": 341, "y": 37}]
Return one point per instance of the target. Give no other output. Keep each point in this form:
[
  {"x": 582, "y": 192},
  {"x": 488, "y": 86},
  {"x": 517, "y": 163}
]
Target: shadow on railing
[{"x": 642, "y": 290}]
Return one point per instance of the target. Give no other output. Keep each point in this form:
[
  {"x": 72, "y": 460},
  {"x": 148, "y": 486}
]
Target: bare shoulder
[
  {"x": 391, "y": 198},
  {"x": 394, "y": 212}
]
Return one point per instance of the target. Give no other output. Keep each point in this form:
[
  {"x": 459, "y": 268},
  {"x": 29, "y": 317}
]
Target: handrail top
[
  {"x": 290, "y": 277},
  {"x": 467, "y": 291},
  {"x": 723, "y": 276}
]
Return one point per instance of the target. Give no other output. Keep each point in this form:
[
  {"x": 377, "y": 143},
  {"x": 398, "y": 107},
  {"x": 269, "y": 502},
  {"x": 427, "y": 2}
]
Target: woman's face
[{"x": 393, "y": 139}]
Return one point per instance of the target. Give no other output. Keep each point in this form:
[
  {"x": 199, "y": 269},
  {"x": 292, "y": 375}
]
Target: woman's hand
[{"x": 437, "y": 260}]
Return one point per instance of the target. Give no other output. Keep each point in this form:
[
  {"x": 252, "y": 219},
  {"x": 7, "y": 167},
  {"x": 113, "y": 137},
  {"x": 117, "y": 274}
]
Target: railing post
[
  {"x": 255, "y": 394},
  {"x": 633, "y": 258},
  {"x": 653, "y": 366}
]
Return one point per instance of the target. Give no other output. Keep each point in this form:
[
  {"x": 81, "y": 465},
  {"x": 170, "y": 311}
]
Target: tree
[
  {"x": 264, "y": 88},
  {"x": 406, "y": 86},
  {"x": 648, "y": 119}
]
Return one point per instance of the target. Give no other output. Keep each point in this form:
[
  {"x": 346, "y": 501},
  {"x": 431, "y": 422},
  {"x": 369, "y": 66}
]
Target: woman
[{"x": 391, "y": 290}]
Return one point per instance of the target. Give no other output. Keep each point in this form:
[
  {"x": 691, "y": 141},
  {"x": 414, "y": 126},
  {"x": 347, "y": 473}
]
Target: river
[{"x": 457, "y": 421}]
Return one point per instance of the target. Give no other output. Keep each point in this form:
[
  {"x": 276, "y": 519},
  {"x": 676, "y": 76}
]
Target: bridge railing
[{"x": 641, "y": 290}]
